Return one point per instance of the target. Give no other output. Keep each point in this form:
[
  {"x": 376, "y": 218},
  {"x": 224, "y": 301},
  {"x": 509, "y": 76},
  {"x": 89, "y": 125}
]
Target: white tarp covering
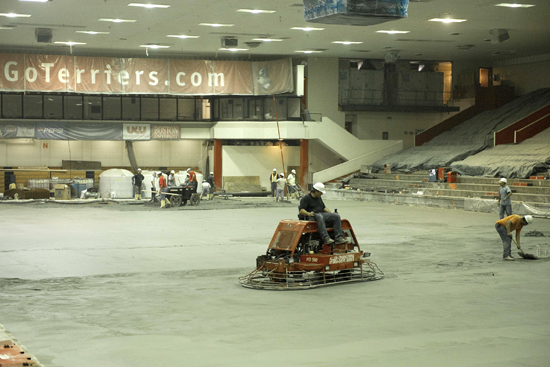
[{"x": 468, "y": 138}]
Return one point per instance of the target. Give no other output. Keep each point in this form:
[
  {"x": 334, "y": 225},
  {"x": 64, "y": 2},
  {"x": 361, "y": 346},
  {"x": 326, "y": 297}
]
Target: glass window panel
[
  {"x": 111, "y": 108},
  {"x": 73, "y": 107},
  {"x": 149, "y": 108},
  {"x": 53, "y": 106},
  {"x": 168, "y": 108},
  {"x": 254, "y": 109},
  {"x": 186, "y": 109},
  {"x": 92, "y": 108},
  {"x": 130, "y": 108},
  {"x": 32, "y": 106},
  {"x": 231, "y": 109},
  {"x": 202, "y": 109},
  {"x": 294, "y": 107},
  {"x": 12, "y": 105},
  {"x": 269, "y": 109}
]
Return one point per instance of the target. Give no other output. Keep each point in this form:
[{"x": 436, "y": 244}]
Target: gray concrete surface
[{"x": 133, "y": 286}]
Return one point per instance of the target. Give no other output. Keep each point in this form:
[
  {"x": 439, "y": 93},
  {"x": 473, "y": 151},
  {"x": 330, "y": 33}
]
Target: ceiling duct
[
  {"x": 354, "y": 12},
  {"x": 43, "y": 35},
  {"x": 230, "y": 42},
  {"x": 499, "y": 35}
]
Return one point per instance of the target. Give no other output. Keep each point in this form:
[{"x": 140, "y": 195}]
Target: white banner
[
  {"x": 136, "y": 132},
  {"x": 165, "y": 132}
]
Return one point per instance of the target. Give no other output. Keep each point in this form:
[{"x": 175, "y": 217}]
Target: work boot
[
  {"x": 329, "y": 241},
  {"x": 341, "y": 240},
  {"x": 163, "y": 204},
  {"x": 508, "y": 258},
  {"x": 136, "y": 197}
]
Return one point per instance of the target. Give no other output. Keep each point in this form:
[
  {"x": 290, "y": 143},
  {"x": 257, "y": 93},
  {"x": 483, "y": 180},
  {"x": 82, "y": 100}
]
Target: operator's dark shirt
[
  {"x": 138, "y": 179},
  {"x": 311, "y": 204}
]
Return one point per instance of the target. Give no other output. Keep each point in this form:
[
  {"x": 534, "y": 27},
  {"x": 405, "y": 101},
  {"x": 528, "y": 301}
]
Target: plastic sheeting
[
  {"x": 354, "y": 12},
  {"x": 470, "y": 137},
  {"x": 509, "y": 160}
]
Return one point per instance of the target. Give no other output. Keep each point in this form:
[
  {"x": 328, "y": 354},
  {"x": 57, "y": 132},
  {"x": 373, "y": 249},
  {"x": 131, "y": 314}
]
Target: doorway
[{"x": 485, "y": 77}]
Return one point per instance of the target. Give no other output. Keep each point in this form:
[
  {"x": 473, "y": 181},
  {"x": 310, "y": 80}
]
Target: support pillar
[
  {"x": 304, "y": 163},
  {"x": 218, "y": 163}
]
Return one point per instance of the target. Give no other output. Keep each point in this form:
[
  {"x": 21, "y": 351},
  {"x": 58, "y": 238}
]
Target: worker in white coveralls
[
  {"x": 504, "y": 201},
  {"x": 292, "y": 188},
  {"x": 506, "y": 226},
  {"x": 153, "y": 188},
  {"x": 281, "y": 183},
  {"x": 137, "y": 180},
  {"x": 205, "y": 189},
  {"x": 312, "y": 207},
  {"x": 172, "y": 179}
]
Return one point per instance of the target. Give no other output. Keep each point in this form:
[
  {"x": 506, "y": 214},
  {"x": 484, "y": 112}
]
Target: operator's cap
[
  {"x": 211, "y": 173},
  {"x": 139, "y": 169},
  {"x": 503, "y": 180},
  {"x": 320, "y": 187},
  {"x": 274, "y": 169},
  {"x": 172, "y": 171},
  {"x": 528, "y": 219}
]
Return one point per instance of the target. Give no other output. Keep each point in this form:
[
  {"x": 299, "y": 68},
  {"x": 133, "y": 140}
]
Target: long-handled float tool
[{"x": 524, "y": 254}]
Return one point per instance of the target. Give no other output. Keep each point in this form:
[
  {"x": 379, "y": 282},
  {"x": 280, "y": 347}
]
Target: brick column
[{"x": 304, "y": 163}]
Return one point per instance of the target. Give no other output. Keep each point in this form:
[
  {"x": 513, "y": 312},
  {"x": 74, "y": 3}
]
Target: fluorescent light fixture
[
  {"x": 233, "y": 49},
  {"x": 309, "y": 51},
  {"x": 117, "y": 20},
  {"x": 393, "y": 32},
  {"x": 256, "y": 11},
  {"x": 348, "y": 42},
  {"x": 182, "y": 36},
  {"x": 154, "y": 46},
  {"x": 70, "y": 43},
  {"x": 217, "y": 25},
  {"x": 514, "y": 5},
  {"x": 307, "y": 29},
  {"x": 447, "y": 20},
  {"x": 91, "y": 32},
  {"x": 267, "y": 39},
  {"x": 14, "y": 15},
  {"x": 36, "y": 1},
  {"x": 6, "y": 27},
  {"x": 149, "y": 6}
]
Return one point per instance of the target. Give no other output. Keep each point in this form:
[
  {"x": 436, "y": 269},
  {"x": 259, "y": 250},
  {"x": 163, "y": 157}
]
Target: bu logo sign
[{"x": 140, "y": 130}]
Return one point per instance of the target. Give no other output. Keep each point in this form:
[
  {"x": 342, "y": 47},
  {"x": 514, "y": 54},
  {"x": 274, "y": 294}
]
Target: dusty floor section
[{"x": 127, "y": 286}]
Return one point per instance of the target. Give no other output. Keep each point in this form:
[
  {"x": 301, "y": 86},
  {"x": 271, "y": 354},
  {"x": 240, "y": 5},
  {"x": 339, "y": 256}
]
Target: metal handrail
[{"x": 404, "y": 97}]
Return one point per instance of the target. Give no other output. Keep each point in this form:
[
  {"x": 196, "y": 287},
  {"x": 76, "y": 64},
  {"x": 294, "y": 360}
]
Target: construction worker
[
  {"x": 137, "y": 180},
  {"x": 205, "y": 189},
  {"x": 172, "y": 179},
  {"x": 312, "y": 205},
  {"x": 163, "y": 189},
  {"x": 273, "y": 179},
  {"x": 505, "y": 227},
  {"x": 281, "y": 183},
  {"x": 193, "y": 179},
  {"x": 153, "y": 188},
  {"x": 210, "y": 180},
  {"x": 504, "y": 201},
  {"x": 292, "y": 188}
]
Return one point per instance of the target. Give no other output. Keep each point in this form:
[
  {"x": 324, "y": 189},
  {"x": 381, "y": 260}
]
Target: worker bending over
[
  {"x": 506, "y": 226},
  {"x": 312, "y": 205}
]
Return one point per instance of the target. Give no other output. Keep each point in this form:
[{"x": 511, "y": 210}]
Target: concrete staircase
[{"x": 531, "y": 190}]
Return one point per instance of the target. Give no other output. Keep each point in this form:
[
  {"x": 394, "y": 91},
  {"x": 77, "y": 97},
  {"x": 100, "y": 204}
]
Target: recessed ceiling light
[
  {"x": 514, "y": 5},
  {"x": 447, "y": 20},
  {"x": 393, "y": 32},
  {"x": 117, "y": 20},
  {"x": 217, "y": 25},
  {"x": 70, "y": 43},
  {"x": 309, "y": 51},
  {"x": 267, "y": 39},
  {"x": 307, "y": 29},
  {"x": 256, "y": 11},
  {"x": 182, "y": 36},
  {"x": 233, "y": 49},
  {"x": 91, "y": 32},
  {"x": 155, "y": 46},
  {"x": 14, "y": 15},
  {"x": 149, "y": 6},
  {"x": 348, "y": 42}
]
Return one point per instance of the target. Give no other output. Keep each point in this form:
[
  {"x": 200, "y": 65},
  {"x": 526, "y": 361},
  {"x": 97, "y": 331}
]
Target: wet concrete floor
[{"x": 133, "y": 286}]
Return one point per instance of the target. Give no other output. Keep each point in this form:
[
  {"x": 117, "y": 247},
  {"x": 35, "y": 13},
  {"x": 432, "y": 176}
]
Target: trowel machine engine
[{"x": 297, "y": 259}]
